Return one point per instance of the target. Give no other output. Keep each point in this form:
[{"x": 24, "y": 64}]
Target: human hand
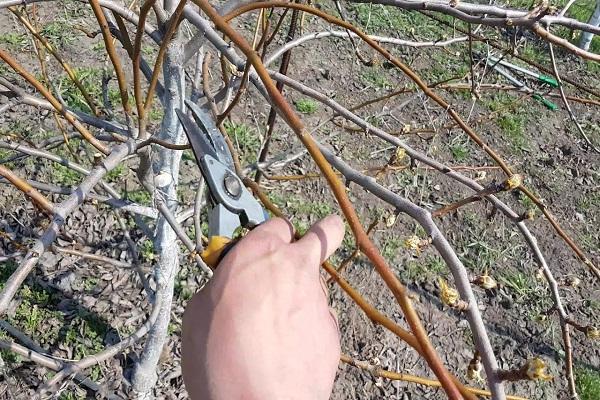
[{"x": 261, "y": 328}]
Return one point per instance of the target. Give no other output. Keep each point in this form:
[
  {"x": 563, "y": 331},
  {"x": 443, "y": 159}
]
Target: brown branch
[
  {"x": 90, "y": 256},
  {"x": 238, "y": 95},
  {"x": 377, "y": 371},
  {"x": 38, "y": 199},
  {"x": 163, "y": 143},
  {"x": 558, "y": 229},
  {"x": 482, "y": 194},
  {"x": 112, "y": 53},
  {"x": 283, "y": 68},
  {"x": 173, "y": 24},
  {"x": 356, "y": 251},
  {"x": 339, "y": 191},
  {"x": 137, "y": 59},
  {"x": 551, "y": 38},
  {"x": 125, "y": 40}
]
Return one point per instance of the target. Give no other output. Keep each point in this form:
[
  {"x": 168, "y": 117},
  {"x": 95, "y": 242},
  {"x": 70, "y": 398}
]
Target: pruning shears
[
  {"x": 230, "y": 204},
  {"x": 499, "y": 66},
  {"x": 540, "y": 77}
]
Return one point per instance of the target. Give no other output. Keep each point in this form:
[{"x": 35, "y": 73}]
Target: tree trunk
[
  {"x": 586, "y": 37},
  {"x": 165, "y": 243}
]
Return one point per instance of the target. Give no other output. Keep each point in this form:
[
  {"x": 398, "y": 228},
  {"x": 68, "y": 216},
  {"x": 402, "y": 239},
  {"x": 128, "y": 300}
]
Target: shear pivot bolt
[{"x": 232, "y": 185}]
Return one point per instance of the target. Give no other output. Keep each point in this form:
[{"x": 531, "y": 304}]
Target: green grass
[
  {"x": 480, "y": 256},
  {"x": 444, "y": 67},
  {"x": 116, "y": 173},
  {"x": 377, "y": 18},
  {"x": 35, "y": 310},
  {"x": 592, "y": 304},
  {"x": 512, "y": 119},
  {"x": 424, "y": 270},
  {"x": 37, "y": 316},
  {"x": 147, "y": 250},
  {"x": 375, "y": 76},
  {"x": 513, "y": 127},
  {"x": 304, "y": 211},
  {"x": 6, "y": 71},
  {"x": 71, "y": 396},
  {"x": 245, "y": 138},
  {"x": 14, "y": 40},
  {"x": 156, "y": 114},
  {"x": 90, "y": 283},
  {"x": 318, "y": 210},
  {"x": 460, "y": 150},
  {"x": 99, "y": 47},
  {"x": 64, "y": 175},
  {"x": 90, "y": 79},
  {"x": 85, "y": 336},
  {"x": 588, "y": 383},
  {"x": 307, "y": 106},
  {"x": 519, "y": 283},
  {"x": 376, "y": 120},
  {"x": 390, "y": 247},
  {"x": 59, "y": 32},
  {"x": 140, "y": 196},
  {"x": 527, "y": 202},
  {"x": 589, "y": 201},
  {"x": 589, "y": 241}
]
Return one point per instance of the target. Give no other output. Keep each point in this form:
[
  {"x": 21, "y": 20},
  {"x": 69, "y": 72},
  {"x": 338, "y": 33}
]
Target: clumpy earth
[{"x": 73, "y": 307}]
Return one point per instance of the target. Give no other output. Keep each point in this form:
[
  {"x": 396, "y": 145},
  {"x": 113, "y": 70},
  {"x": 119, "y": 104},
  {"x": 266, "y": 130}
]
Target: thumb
[{"x": 321, "y": 240}]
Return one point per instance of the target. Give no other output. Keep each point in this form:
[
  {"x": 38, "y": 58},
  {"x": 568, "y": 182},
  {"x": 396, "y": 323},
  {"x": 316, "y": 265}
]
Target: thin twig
[{"x": 112, "y": 53}]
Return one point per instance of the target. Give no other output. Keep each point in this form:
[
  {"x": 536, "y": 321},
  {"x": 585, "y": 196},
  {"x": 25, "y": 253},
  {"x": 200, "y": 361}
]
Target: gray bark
[
  {"x": 586, "y": 37},
  {"x": 165, "y": 243}
]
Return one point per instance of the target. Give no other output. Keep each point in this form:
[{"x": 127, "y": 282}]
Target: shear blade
[
  {"x": 205, "y": 121},
  {"x": 201, "y": 146}
]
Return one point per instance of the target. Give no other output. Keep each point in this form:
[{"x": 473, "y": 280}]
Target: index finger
[{"x": 321, "y": 240}]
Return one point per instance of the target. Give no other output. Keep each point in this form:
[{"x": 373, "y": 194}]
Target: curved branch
[
  {"x": 112, "y": 54},
  {"x": 465, "y": 11},
  {"x": 343, "y": 34},
  {"x": 453, "y": 174},
  {"x": 459, "y": 272},
  {"x": 367, "y": 247}
]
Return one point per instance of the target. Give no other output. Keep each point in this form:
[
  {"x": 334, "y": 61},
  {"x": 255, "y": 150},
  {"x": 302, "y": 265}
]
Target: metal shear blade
[{"x": 204, "y": 122}]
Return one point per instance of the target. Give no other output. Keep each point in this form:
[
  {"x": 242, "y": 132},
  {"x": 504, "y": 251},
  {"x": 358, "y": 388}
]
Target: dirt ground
[{"x": 74, "y": 307}]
